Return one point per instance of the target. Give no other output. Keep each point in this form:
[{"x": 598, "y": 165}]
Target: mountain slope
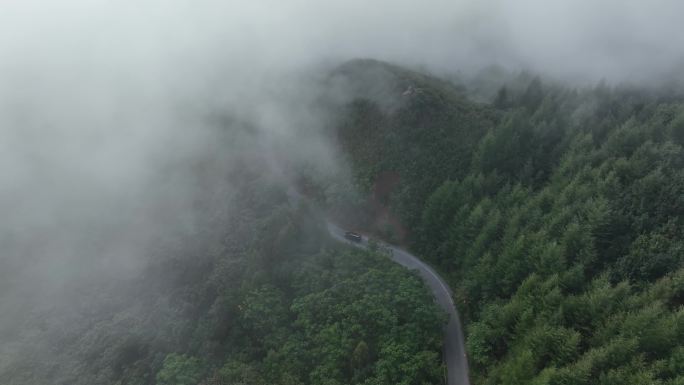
[
  {"x": 418, "y": 131},
  {"x": 556, "y": 215}
]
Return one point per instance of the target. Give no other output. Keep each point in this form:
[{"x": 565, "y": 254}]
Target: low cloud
[{"x": 104, "y": 104}]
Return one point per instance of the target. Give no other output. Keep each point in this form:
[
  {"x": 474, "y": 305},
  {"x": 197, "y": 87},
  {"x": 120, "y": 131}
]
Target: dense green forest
[
  {"x": 555, "y": 213},
  {"x": 259, "y": 294}
]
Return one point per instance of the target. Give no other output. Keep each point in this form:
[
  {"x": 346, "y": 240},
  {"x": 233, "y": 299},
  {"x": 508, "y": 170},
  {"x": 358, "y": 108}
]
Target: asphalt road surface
[{"x": 454, "y": 352}]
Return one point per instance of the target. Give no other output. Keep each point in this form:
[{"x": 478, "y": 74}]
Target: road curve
[{"x": 454, "y": 351}]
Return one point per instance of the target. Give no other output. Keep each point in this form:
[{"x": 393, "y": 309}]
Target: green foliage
[
  {"x": 559, "y": 223},
  {"x": 262, "y": 297},
  {"x": 434, "y": 128},
  {"x": 180, "y": 369},
  {"x": 556, "y": 215},
  {"x": 337, "y": 317}
]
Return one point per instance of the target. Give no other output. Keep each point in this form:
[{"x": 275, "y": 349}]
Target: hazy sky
[{"x": 598, "y": 38}]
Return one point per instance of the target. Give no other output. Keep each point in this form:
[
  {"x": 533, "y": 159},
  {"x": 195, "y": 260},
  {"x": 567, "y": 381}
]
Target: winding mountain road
[{"x": 454, "y": 351}]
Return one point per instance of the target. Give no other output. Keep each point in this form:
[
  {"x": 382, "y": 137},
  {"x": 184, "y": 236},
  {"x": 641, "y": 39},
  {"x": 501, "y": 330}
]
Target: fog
[{"x": 106, "y": 107}]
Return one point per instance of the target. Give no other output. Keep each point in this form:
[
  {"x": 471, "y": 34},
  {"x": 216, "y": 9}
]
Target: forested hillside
[
  {"x": 556, "y": 214},
  {"x": 258, "y": 294}
]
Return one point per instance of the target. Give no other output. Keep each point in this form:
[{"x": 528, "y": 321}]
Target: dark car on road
[{"x": 352, "y": 236}]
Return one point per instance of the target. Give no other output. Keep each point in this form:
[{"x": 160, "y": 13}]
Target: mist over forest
[{"x": 529, "y": 151}]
